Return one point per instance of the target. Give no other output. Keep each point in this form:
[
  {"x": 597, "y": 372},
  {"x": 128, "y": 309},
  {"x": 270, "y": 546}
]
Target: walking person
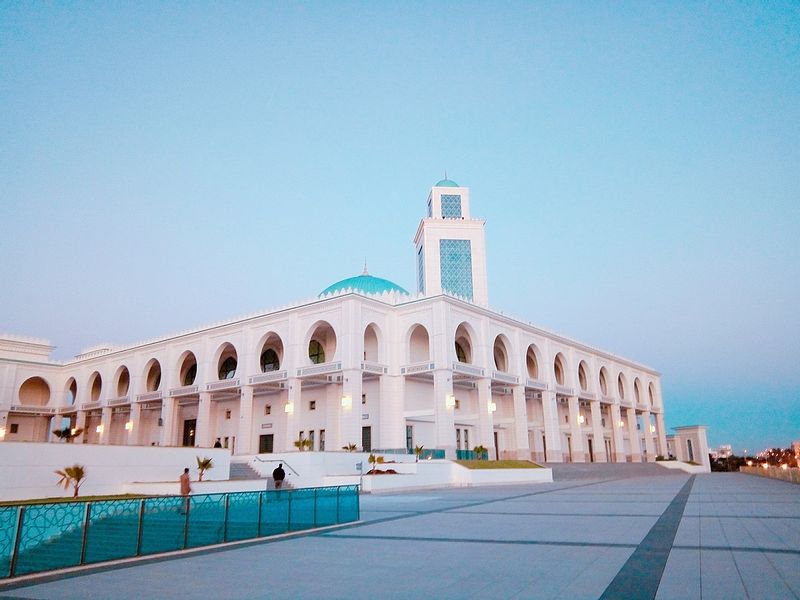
[
  {"x": 279, "y": 475},
  {"x": 186, "y": 488}
]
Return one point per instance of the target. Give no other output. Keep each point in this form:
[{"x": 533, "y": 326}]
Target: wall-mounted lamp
[
  {"x": 620, "y": 423},
  {"x": 652, "y": 428},
  {"x": 129, "y": 426},
  {"x": 288, "y": 408},
  {"x": 73, "y": 431},
  {"x": 2, "y": 432},
  {"x": 492, "y": 407},
  {"x": 581, "y": 419},
  {"x": 450, "y": 401},
  {"x": 347, "y": 402},
  {"x": 99, "y": 429}
]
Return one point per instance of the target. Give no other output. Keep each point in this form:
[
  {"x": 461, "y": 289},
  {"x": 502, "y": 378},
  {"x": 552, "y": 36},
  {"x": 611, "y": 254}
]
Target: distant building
[
  {"x": 690, "y": 444},
  {"x": 365, "y": 363}
]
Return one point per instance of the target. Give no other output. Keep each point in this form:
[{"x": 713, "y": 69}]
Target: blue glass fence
[
  {"x": 471, "y": 455},
  {"x": 43, "y": 537},
  {"x": 426, "y": 454}
]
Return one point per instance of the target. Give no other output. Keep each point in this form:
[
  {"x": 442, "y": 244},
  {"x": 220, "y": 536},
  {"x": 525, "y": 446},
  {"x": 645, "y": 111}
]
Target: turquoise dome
[
  {"x": 364, "y": 283},
  {"x": 447, "y": 183}
]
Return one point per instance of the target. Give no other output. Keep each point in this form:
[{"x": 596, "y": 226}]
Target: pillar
[
  {"x": 661, "y": 435},
  {"x": 575, "y": 430},
  {"x": 633, "y": 435},
  {"x": 169, "y": 415},
  {"x": 105, "y": 422},
  {"x": 133, "y": 436},
  {"x": 616, "y": 432},
  {"x": 485, "y": 418},
  {"x": 523, "y": 448},
  {"x": 391, "y": 423},
  {"x": 443, "y": 417},
  {"x": 349, "y": 408},
  {"x": 80, "y": 423},
  {"x": 203, "y": 434},
  {"x": 552, "y": 430},
  {"x": 649, "y": 441},
  {"x": 4, "y": 425},
  {"x": 598, "y": 437},
  {"x": 244, "y": 436},
  {"x": 294, "y": 397}
]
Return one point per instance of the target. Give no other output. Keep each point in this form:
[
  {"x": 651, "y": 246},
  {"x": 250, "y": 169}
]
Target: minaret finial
[
  {"x": 365, "y": 267},
  {"x": 445, "y": 173}
]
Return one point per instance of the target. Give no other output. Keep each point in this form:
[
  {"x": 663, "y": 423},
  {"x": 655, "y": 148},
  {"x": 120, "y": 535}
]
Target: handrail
[{"x": 259, "y": 459}]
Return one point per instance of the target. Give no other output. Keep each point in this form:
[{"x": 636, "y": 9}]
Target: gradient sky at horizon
[{"x": 165, "y": 165}]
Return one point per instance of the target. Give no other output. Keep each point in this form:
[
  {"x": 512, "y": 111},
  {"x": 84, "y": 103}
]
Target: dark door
[
  {"x": 591, "y": 451},
  {"x": 265, "y": 444},
  {"x": 189, "y": 428},
  {"x": 366, "y": 439},
  {"x": 496, "y": 448}
]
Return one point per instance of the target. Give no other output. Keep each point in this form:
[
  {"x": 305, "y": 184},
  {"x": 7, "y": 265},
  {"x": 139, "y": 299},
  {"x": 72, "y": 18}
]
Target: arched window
[
  {"x": 228, "y": 368},
  {"x": 270, "y": 360},
  {"x": 190, "y": 375},
  {"x": 316, "y": 352},
  {"x": 461, "y": 356},
  {"x": 72, "y": 392},
  {"x": 558, "y": 370},
  {"x": 582, "y": 379}
]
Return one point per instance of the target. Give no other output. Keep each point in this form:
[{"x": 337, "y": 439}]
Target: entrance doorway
[
  {"x": 591, "y": 451},
  {"x": 265, "y": 443},
  {"x": 496, "y": 448},
  {"x": 609, "y": 455},
  {"x": 189, "y": 429},
  {"x": 366, "y": 439}
]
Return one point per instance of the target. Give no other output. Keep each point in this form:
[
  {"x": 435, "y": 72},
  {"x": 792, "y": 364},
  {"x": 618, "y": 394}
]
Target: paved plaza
[{"x": 598, "y": 531}]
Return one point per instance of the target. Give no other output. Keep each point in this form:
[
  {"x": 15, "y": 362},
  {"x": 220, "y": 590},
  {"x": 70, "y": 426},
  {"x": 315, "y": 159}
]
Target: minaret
[{"x": 451, "y": 246}]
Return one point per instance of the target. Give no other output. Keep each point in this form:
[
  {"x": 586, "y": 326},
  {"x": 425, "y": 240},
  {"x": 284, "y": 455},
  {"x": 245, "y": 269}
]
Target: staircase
[{"x": 243, "y": 471}]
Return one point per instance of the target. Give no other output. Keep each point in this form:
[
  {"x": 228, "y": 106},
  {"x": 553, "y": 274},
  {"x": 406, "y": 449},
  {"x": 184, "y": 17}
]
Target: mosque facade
[{"x": 366, "y": 364}]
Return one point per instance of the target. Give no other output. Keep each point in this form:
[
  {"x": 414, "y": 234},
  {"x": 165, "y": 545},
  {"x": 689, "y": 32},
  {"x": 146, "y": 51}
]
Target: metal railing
[
  {"x": 44, "y": 537},
  {"x": 279, "y": 461}
]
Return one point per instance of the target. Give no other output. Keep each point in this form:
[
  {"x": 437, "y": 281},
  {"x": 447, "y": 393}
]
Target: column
[
  {"x": 661, "y": 435},
  {"x": 80, "y": 423},
  {"x": 578, "y": 450},
  {"x": 538, "y": 446},
  {"x": 392, "y": 422},
  {"x": 350, "y": 421},
  {"x": 244, "y": 436},
  {"x": 552, "y": 431},
  {"x": 444, "y": 418},
  {"x": 633, "y": 435},
  {"x": 169, "y": 416},
  {"x": 616, "y": 432},
  {"x": 485, "y": 418},
  {"x": 4, "y": 425},
  {"x": 133, "y": 435},
  {"x": 649, "y": 441},
  {"x": 105, "y": 426},
  {"x": 598, "y": 436},
  {"x": 292, "y": 407},
  {"x": 203, "y": 434},
  {"x": 523, "y": 448}
]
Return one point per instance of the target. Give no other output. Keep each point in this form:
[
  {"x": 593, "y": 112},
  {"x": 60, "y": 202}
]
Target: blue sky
[{"x": 165, "y": 165}]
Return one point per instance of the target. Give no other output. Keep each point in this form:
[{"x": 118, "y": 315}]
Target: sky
[{"x": 168, "y": 165}]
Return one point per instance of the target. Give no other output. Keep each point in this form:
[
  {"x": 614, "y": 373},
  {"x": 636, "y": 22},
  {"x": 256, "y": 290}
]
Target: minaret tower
[{"x": 451, "y": 246}]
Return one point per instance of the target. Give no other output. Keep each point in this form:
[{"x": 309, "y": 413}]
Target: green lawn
[{"x": 498, "y": 464}]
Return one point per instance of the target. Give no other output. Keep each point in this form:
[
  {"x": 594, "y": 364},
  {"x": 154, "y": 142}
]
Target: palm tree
[
  {"x": 203, "y": 465},
  {"x": 373, "y": 460},
  {"x": 72, "y": 476},
  {"x": 480, "y": 451},
  {"x": 418, "y": 451},
  {"x": 350, "y": 447},
  {"x": 67, "y": 434}
]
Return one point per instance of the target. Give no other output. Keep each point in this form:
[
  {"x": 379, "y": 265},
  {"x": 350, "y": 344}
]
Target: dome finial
[{"x": 365, "y": 267}]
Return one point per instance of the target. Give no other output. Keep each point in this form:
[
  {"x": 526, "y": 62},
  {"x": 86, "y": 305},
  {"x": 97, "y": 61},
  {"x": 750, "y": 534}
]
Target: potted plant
[
  {"x": 203, "y": 465},
  {"x": 72, "y": 476},
  {"x": 481, "y": 452},
  {"x": 67, "y": 434}
]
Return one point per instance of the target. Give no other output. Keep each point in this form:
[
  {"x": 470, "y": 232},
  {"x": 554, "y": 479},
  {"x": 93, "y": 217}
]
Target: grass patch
[
  {"x": 63, "y": 499},
  {"x": 498, "y": 464}
]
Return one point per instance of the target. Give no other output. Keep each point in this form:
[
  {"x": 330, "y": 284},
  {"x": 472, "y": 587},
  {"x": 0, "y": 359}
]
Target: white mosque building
[{"x": 366, "y": 364}]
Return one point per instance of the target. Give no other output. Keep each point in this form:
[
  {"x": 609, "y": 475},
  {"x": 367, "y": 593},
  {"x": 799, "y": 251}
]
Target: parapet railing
[
  {"x": 279, "y": 461},
  {"x": 48, "y": 536}
]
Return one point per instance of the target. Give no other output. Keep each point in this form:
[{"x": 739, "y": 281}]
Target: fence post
[
  {"x": 188, "y": 505},
  {"x": 358, "y": 504},
  {"x": 260, "y": 502},
  {"x": 86, "y": 520},
  {"x": 338, "y": 490},
  {"x": 225, "y": 519},
  {"x": 315, "y": 507},
  {"x": 20, "y": 522},
  {"x": 140, "y": 529},
  {"x": 289, "y": 513}
]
